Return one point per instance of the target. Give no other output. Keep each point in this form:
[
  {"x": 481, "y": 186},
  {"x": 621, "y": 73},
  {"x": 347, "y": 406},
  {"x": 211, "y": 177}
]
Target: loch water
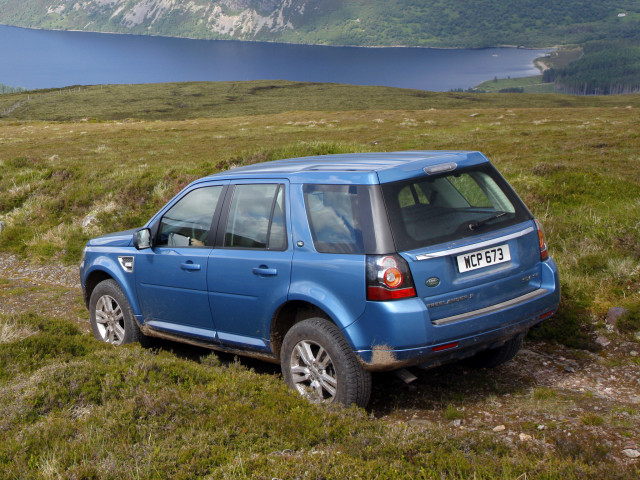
[{"x": 47, "y": 59}]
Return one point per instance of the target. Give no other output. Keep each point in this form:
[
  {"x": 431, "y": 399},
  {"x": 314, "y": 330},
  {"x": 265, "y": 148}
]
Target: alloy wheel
[
  {"x": 110, "y": 320},
  {"x": 313, "y": 373}
]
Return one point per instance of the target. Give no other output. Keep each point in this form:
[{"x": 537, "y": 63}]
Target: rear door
[
  {"x": 469, "y": 240},
  {"x": 250, "y": 270}
]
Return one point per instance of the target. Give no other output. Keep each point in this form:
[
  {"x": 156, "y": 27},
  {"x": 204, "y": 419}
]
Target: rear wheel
[
  {"x": 497, "y": 356},
  {"x": 319, "y": 364},
  {"x": 111, "y": 318}
]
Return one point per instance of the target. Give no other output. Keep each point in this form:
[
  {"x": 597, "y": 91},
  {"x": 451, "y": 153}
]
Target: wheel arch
[
  {"x": 101, "y": 272},
  {"x": 91, "y": 282},
  {"x": 288, "y": 315}
]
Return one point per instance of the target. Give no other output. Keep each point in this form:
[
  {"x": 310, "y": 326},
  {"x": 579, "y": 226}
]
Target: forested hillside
[
  {"x": 437, "y": 23},
  {"x": 607, "y": 67}
]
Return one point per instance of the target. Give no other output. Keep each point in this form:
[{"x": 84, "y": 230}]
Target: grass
[
  {"x": 193, "y": 100},
  {"x": 72, "y": 407},
  {"x": 630, "y": 322},
  {"x": 80, "y": 157}
]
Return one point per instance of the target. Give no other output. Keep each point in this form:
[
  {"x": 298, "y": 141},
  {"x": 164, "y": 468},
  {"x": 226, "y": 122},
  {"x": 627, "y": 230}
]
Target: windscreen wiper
[{"x": 479, "y": 223}]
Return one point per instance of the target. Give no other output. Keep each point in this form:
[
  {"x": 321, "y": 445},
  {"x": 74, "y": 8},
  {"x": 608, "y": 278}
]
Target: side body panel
[{"x": 335, "y": 283}]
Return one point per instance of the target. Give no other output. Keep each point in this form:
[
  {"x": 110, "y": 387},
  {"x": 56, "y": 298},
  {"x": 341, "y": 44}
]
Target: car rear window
[{"x": 439, "y": 208}]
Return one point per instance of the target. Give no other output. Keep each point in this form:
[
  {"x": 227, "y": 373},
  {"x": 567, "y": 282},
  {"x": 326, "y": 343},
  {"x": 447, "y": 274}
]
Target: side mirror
[{"x": 142, "y": 239}]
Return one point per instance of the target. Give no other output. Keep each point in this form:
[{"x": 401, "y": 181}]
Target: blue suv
[{"x": 333, "y": 266}]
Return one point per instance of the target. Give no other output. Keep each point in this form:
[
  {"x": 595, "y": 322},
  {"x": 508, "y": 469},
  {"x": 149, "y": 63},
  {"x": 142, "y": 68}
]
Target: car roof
[{"x": 354, "y": 168}]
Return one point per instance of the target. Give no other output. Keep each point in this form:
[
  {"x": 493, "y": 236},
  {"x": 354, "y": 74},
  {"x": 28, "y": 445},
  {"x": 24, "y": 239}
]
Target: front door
[{"x": 172, "y": 276}]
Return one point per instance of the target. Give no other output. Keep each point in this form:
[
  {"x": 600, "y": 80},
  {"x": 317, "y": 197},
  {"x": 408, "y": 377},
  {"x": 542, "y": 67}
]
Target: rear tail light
[
  {"x": 544, "y": 253},
  {"x": 388, "y": 278}
]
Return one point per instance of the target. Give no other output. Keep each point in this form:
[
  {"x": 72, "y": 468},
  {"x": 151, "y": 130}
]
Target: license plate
[{"x": 483, "y": 258}]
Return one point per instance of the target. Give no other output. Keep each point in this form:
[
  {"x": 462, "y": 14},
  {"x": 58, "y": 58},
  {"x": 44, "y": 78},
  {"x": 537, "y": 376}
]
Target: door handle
[
  {"x": 265, "y": 271},
  {"x": 190, "y": 266}
]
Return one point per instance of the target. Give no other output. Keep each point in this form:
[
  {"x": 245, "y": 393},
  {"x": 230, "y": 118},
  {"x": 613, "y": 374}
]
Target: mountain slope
[{"x": 448, "y": 23}]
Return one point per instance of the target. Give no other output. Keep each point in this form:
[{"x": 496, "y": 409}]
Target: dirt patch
[{"x": 51, "y": 290}]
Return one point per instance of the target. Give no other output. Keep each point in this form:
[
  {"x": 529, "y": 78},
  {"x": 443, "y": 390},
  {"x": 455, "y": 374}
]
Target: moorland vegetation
[{"x": 79, "y": 162}]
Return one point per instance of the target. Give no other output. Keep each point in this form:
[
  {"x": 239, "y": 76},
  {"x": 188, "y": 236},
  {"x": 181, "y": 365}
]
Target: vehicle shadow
[
  {"x": 448, "y": 386},
  {"x": 433, "y": 391}
]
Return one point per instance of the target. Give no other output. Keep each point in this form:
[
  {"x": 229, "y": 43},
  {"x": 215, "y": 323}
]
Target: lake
[{"x": 45, "y": 59}]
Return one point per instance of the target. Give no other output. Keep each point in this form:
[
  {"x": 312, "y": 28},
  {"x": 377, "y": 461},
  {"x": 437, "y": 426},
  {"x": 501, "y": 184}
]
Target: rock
[
  {"x": 1, "y": 226},
  {"x": 633, "y": 353},
  {"x": 457, "y": 423},
  {"x": 88, "y": 221},
  {"x": 631, "y": 453},
  {"x": 614, "y": 314},
  {"x": 499, "y": 428},
  {"x": 602, "y": 341},
  {"x": 524, "y": 437}
]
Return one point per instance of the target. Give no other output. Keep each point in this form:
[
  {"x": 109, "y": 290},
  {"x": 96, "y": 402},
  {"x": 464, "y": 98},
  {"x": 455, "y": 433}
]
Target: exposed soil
[
  {"x": 51, "y": 290},
  {"x": 550, "y": 397}
]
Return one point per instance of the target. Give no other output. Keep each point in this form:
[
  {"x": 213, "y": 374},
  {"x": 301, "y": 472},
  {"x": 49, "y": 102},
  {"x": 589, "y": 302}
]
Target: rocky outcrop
[{"x": 239, "y": 19}]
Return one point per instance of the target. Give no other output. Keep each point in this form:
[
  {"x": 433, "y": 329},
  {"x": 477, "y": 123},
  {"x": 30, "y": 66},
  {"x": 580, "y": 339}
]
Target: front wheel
[
  {"x": 319, "y": 364},
  {"x": 111, "y": 317}
]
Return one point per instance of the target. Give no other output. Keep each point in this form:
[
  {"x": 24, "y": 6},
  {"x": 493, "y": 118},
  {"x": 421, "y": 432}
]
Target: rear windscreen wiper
[{"x": 479, "y": 223}]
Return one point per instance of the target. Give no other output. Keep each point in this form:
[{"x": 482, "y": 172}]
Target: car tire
[
  {"x": 318, "y": 363},
  {"x": 111, "y": 317},
  {"x": 497, "y": 356}
]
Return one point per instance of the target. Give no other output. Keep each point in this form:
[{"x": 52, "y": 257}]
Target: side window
[
  {"x": 333, "y": 212},
  {"x": 256, "y": 218},
  {"x": 188, "y": 222}
]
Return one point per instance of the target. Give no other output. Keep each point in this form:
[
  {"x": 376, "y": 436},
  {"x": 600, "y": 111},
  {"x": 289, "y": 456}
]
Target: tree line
[
  {"x": 7, "y": 89},
  {"x": 607, "y": 67}
]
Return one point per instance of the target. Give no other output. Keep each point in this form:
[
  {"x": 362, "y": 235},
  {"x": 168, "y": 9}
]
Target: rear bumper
[
  {"x": 381, "y": 359},
  {"x": 393, "y": 335}
]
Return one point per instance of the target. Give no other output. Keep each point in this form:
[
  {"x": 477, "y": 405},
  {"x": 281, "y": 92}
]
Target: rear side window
[
  {"x": 334, "y": 218},
  {"x": 435, "y": 209},
  {"x": 256, "y": 218}
]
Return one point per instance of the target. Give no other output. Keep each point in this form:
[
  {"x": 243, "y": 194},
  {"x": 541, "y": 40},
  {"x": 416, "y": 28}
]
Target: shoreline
[{"x": 519, "y": 47}]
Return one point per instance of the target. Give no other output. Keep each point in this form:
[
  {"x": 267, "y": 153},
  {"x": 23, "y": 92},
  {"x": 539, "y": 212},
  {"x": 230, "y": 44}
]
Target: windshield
[{"x": 439, "y": 208}]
